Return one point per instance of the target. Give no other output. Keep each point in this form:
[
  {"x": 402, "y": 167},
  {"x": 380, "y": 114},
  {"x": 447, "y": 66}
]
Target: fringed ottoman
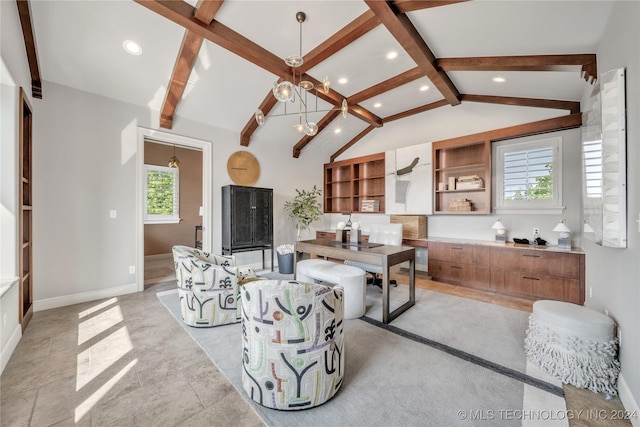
[
  {"x": 574, "y": 344},
  {"x": 292, "y": 343}
]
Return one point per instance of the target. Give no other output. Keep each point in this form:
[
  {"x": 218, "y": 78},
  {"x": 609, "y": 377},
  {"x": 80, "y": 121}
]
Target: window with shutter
[{"x": 161, "y": 195}]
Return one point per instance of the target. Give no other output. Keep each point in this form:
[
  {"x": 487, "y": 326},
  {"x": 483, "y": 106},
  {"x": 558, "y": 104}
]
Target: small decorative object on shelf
[
  {"x": 452, "y": 183},
  {"x": 460, "y": 205},
  {"x": 370, "y": 206},
  {"x": 469, "y": 182}
]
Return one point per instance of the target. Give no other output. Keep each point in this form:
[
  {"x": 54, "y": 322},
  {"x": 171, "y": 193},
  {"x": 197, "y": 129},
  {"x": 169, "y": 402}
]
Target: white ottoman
[
  {"x": 574, "y": 344},
  {"x": 351, "y": 279}
]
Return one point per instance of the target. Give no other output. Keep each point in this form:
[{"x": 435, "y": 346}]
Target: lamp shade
[
  {"x": 498, "y": 225},
  {"x": 562, "y": 228}
]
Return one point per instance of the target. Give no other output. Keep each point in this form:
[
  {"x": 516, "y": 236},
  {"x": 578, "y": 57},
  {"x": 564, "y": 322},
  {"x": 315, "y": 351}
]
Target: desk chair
[{"x": 386, "y": 234}]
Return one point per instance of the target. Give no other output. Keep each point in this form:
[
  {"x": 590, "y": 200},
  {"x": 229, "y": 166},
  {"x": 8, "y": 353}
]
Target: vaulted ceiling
[{"x": 215, "y": 62}]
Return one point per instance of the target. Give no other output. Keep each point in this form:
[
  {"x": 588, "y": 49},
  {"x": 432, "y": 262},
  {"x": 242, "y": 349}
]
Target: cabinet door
[
  {"x": 262, "y": 208},
  {"x": 241, "y": 217}
]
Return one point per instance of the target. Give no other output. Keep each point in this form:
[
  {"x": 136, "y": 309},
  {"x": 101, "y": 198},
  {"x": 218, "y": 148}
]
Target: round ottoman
[
  {"x": 352, "y": 279},
  {"x": 574, "y": 344},
  {"x": 292, "y": 343}
]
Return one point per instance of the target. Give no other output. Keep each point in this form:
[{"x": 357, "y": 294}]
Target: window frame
[
  {"x": 163, "y": 219},
  {"x": 552, "y": 206}
]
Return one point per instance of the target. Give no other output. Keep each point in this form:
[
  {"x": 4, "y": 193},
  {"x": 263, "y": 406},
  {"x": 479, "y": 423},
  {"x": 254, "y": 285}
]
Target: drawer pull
[
  {"x": 456, "y": 267},
  {"x": 457, "y": 249},
  {"x": 532, "y": 256},
  {"x": 530, "y": 278}
]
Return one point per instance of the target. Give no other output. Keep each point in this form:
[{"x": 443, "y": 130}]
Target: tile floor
[{"x": 126, "y": 361}]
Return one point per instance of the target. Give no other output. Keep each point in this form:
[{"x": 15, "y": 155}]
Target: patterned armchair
[
  {"x": 292, "y": 343},
  {"x": 208, "y": 286}
]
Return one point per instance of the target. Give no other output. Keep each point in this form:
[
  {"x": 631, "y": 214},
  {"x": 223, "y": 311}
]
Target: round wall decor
[{"x": 243, "y": 168}]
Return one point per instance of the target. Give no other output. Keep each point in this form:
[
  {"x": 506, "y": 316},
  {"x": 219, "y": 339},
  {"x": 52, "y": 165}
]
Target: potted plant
[{"x": 304, "y": 208}]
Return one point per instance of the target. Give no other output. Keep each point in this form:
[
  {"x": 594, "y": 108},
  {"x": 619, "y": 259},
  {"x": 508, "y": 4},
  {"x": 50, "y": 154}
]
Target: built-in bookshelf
[{"x": 349, "y": 183}]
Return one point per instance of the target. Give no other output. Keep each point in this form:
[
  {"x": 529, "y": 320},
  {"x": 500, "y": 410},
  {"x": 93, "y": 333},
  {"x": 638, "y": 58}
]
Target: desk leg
[
  {"x": 389, "y": 316},
  {"x": 385, "y": 291}
]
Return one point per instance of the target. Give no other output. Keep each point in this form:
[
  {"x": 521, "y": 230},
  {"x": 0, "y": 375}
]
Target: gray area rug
[{"x": 446, "y": 361}]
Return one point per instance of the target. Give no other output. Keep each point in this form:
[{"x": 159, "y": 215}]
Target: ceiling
[{"x": 79, "y": 44}]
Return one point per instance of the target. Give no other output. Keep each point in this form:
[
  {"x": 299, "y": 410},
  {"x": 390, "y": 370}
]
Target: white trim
[
  {"x": 64, "y": 300},
  {"x": 530, "y": 211},
  {"x": 629, "y": 403},
  {"x": 10, "y": 346},
  {"x": 207, "y": 159}
]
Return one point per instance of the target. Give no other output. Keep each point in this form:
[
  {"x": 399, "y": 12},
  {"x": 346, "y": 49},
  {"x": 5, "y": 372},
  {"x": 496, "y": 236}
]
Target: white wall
[{"x": 613, "y": 274}]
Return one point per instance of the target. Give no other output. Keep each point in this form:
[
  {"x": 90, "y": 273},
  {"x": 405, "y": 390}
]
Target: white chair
[{"x": 386, "y": 234}]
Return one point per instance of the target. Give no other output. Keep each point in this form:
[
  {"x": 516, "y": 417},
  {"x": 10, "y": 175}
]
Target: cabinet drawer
[
  {"x": 461, "y": 274},
  {"x": 537, "y": 261},
  {"x": 325, "y": 235},
  {"x": 536, "y": 286},
  {"x": 460, "y": 253}
]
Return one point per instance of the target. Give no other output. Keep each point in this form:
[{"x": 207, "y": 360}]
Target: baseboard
[
  {"x": 158, "y": 257},
  {"x": 628, "y": 401},
  {"x": 11, "y": 345},
  {"x": 62, "y": 301}
]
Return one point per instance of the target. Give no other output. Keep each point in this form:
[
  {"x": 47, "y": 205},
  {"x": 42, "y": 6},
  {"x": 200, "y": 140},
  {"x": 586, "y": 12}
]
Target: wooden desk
[{"x": 383, "y": 255}]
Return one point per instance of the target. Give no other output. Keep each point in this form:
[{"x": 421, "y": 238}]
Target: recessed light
[
  {"x": 377, "y": 105},
  {"x": 423, "y": 88},
  {"x": 337, "y": 130},
  {"x": 392, "y": 55},
  {"x": 499, "y": 79},
  {"x": 132, "y": 47},
  {"x": 342, "y": 80}
]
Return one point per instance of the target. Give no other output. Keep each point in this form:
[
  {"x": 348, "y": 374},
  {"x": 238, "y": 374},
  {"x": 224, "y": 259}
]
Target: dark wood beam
[
  {"x": 350, "y": 33},
  {"x": 350, "y": 143},
  {"x": 407, "y": 35},
  {"x": 417, "y": 110},
  {"x": 586, "y": 63},
  {"x": 323, "y": 123},
  {"x": 571, "y": 106},
  {"x": 30, "y": 46},
  {"x": 404, "y": 6},
  {"x": 266, "y": 106},
  {"x": 183, "y": 14},
  {"x": 387, "y": 85},
  {"x": 187, "y": 57},
  {"x": 189, "y": 49},
  {"x": 571, "y": 121},
  {"x": 207, "y": 9}
]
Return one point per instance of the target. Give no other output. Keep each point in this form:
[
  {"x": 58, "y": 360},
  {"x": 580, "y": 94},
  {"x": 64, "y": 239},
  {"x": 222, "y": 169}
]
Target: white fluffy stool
[
  {"x": 351, "y": 279},
  {"x": 574, "y": 344}
]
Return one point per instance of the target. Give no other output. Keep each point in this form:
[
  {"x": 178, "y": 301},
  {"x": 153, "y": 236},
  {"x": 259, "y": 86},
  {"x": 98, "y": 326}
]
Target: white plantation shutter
[
  {"x": 592, "y": 151},
  {"x": 161, "y": 196},
  {"x": 529, "y": 175}
]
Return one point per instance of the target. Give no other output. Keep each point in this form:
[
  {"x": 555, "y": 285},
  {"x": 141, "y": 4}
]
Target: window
[
  {"x": 161, "y": 195},
  {"x": 529, "y": 176}
]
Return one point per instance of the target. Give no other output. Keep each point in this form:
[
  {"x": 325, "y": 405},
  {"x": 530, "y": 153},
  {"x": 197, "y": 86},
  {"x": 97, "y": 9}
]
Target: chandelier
[{"x": 298, "y": 93}]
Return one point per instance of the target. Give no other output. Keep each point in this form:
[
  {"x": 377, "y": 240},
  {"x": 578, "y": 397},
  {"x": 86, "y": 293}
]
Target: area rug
[{"x": 446, "y": 361}]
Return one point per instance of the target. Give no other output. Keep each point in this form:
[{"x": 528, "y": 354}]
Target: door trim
[{"x": 207, "y": 158}]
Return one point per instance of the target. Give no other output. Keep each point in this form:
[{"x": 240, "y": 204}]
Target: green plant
[{"x": 304, "y": 208}]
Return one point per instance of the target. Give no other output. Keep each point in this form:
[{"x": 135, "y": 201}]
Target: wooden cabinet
[
  {"x": 462, "y": 177},
  {"x": 247, "y": 219},
  {"x": 349, "y": 182},
  {"x": 462, "y": 264},
  {"x": 544, "y": 273},
  {"x": 534, "y": 273}
]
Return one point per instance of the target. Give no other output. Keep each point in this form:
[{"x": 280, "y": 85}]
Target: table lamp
[
  {"x": 501, "y": 232},
  {"x": 564, "y": 239}
]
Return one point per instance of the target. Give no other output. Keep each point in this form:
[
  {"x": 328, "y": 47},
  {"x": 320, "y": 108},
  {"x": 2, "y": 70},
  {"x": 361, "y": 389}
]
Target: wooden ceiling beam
[
  {"x": 417, "y": 110},
  {"x": 347, "y": 35},
  {"x": 189, "y": 49},
  {"x": 401, "y": 28},
  {"x": 24, "y": 12},
  {"x": 571, "y": 106},
  {"x": 345, "y": 147},
  {"x": 404, "y": 6},
  {"x": 586, "y": 63},
  {"x": 387, "y": 85},
  {"x": 323, "y": 123},
  {"x": 266, "y": 106},
  {"x": 183, "y": 14}
]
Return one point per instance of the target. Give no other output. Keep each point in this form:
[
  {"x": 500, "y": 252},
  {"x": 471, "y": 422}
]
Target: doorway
[{"x": 155, "y": 239}]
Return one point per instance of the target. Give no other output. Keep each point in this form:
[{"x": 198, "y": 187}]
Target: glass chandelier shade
[{"x": 290, "y": 91}]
